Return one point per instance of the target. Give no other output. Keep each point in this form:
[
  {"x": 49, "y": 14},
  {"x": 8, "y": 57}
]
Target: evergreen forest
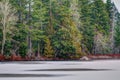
[{"x": 59, "y": 28}]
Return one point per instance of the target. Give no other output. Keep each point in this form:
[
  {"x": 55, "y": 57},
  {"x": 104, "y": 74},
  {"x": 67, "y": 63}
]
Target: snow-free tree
[{"x": 7, "y": 20}]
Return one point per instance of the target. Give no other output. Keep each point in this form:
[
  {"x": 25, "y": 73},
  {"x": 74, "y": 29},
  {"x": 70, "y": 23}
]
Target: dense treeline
[{"x": 59, "y": 28}]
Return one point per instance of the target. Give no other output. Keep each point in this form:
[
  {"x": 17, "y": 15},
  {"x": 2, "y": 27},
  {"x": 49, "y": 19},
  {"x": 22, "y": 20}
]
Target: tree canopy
[{"x": 59, "y": 28}]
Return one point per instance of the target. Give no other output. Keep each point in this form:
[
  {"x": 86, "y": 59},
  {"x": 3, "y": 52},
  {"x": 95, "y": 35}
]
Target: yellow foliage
[
  {"x": 48, "y": 49},
  {"x": 76, "y": 38}
]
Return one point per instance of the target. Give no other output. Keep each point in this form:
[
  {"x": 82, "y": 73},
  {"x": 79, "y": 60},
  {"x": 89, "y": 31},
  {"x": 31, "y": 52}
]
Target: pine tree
[
  {"x": 86, "y": 28},
  {"x": 101, "y": 24},
  {"x": 117, "y": 35},
  {"x": 66, "y": 22},
  {"x": 75, "y": 25},
  {"x": 61, "y": 39},
  {"x": 110, "y": 10},
  {"x": 49, "y": 53},
  {"x": 19, "y": 45},
  {"x": 38, "y": 25}
]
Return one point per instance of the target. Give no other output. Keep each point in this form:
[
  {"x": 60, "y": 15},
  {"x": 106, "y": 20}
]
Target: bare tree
[
  {"x": 101, "y": 43},
  {"x": 7, "y": 19}
]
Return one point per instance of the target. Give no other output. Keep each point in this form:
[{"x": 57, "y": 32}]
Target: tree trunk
[
  {"x": 20, "y": 12},
  {"x": 4, "y": 35},
  {"x": 29, "y": 33},
  {"x": 3, "y": 42},
  {"x": 50, "y": 22},
  {"x": 38, "y": 52}
]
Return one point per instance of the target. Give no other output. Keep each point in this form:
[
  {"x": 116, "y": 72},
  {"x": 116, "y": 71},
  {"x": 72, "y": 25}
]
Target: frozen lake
[{"x": 61, "y": 70}]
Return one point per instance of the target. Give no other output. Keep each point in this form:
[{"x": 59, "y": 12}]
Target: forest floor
[
  {"x": 60, "y": 70},
  {"x": 41, "y": 58}
]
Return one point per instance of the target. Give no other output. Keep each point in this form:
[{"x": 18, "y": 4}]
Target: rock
[{"x": 84, "y": 58}]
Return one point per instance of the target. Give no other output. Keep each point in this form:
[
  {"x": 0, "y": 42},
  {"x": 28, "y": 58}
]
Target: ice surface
[{"x": 61, "y": 70}]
